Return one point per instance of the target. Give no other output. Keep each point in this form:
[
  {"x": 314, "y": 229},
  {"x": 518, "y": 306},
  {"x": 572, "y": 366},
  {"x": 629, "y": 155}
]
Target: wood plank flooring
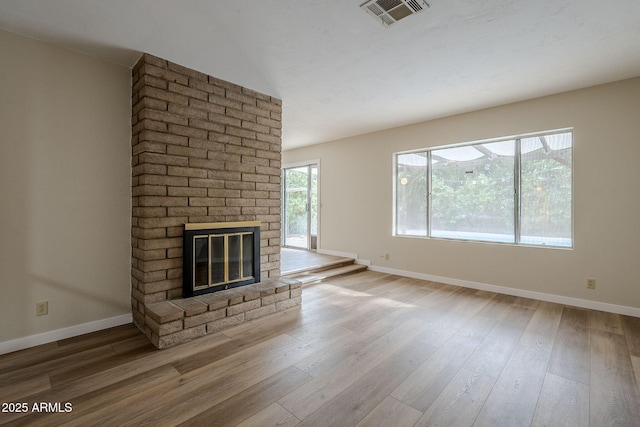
[{"x": 369, "y": 349}]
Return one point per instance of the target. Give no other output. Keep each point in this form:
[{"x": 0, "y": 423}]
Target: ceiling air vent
[{"x": 389, "y": 12}]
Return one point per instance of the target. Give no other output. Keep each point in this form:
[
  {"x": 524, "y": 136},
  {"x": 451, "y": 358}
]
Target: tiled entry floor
[{"x": 292, "y": 260}]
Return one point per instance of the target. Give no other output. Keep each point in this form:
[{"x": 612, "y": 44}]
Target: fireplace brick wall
[{"x": 203, "y": 150}]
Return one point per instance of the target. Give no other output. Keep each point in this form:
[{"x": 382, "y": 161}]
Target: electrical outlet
[
  {"x": 591, "y": 283},
  {"x": 42, "y": 308}
]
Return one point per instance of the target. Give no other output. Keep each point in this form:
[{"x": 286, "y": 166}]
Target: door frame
[{"x": 308, "y": 163}]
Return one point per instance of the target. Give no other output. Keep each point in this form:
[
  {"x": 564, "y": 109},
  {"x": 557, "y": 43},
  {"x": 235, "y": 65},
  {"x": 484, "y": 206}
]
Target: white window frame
[{"x": 517, "y": 184}]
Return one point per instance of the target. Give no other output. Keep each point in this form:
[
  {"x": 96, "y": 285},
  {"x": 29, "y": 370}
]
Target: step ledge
[{"x": 320, "y": 267}]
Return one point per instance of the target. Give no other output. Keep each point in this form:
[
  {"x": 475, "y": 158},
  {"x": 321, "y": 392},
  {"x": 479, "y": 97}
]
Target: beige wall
[
  {"x": 356, "y": 197},
  {"x": 64, "y": 189}
]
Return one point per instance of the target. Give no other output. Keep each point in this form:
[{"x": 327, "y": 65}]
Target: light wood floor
[{"x": 368, "y": 349}]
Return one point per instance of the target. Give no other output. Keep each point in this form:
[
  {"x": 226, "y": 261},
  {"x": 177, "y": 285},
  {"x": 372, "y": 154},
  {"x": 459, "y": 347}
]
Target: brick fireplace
[{"x": 203, "y": 151}]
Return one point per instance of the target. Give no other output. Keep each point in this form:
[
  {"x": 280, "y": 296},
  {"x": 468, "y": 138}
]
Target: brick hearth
[
  {"x": 203, "y": 150},
  {"x": 176, "y": 321}
]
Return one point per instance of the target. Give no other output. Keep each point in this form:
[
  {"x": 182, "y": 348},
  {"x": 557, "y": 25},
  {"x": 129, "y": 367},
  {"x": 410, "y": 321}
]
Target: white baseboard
[
  {"x": 576, "y": 302},
  {"x": 61, "y": 334}
]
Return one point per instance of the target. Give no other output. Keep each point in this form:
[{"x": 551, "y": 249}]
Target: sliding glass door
[{"x": 300, "y": 207}]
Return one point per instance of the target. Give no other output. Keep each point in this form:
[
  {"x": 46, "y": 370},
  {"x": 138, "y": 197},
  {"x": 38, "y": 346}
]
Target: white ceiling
[{"x": 339, "y": 72}]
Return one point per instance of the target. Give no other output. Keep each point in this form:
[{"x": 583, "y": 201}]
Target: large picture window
[{"x": 512, "y": 190}]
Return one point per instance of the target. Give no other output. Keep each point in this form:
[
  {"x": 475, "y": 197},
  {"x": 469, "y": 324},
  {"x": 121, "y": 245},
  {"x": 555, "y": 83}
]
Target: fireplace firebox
[{"x": 220, "y": 256}]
